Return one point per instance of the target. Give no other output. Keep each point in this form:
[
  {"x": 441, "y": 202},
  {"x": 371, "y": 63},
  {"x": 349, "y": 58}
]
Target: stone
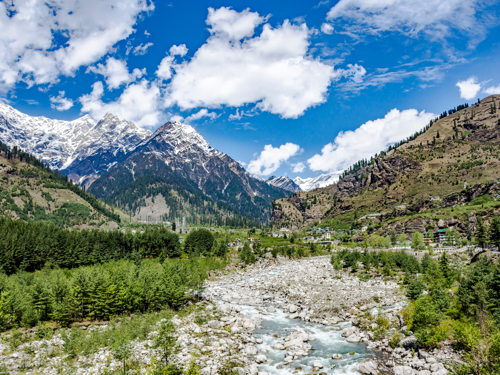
[
  {"x": 441, "y": 372},
  {"x": 336, "y": 356},
  {"x": 251, "y": 350},
  {"x": 368, "y": 368},
  {"x": 288, "y": 359},
  {"x": 348, "y": 331},
  {"x": 403, "y": 370},
  {"x": 271, "y": 309},
  {"x": 259, "y": 341},
  {"x": 248, "y": 324},
  {"x": 408, "y": 342},
  {"x": 431, "y": 360},
  {"x": 279, "y": 346},
  {"x": 292, "y": 308},
  {"x": 261, "y": 358},
  {"x": 253, "y": 370},
  {"x": 293, "y": 316},
  {"x": 434, "y": 367},
  {"x": 353, "y": 338},
  {"x": 424, "y": 372},
  {"x": 318, "y": 365},
  {"x": 214, "y": 324}
]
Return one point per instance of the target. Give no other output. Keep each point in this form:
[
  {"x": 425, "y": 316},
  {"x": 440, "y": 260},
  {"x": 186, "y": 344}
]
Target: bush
[{"x": 199, "y": 242}]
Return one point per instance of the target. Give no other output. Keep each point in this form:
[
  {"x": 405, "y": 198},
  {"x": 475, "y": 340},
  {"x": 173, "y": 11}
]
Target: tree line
[
  {"x": 28, "y": 246},
  {"x": 100, "y": 291}
]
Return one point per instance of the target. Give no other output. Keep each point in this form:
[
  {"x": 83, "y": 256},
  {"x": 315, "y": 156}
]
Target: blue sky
[{"x": 295, "y": 88}]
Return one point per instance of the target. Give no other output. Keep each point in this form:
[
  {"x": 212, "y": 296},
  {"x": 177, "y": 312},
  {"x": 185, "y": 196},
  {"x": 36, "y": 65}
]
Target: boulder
[
  {"x": 261, "y": 358},
  {"x": 293, "y": 316},
  {"x": 292, "y": 308},
  {"x": 336, "y": 356},
  {"x": 424, "y": 372},
  {"x": 403, "y": 370},
  {"x": 214, "y": 324},
  {"x": 317, "y": 364},
  {"x": 253, "y": 370},
  {"x": 279, "y": 346},
  {"x": 348, "y": 331},
  {"x": 441, "y": 372},
  {"x": 353, "y": 338},
  {"x": 251, "y": 350},
  {"x": 248, "y": 324},
  {"x": 408, "y": 342},
  {"x": 368, "y": 368}
]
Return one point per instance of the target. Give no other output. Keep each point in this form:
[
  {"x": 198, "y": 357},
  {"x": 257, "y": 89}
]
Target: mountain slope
[
  {"x": 182, "y": 158},
  {"x": 422, "y": 178},
  {"x": 311, "y": 183},
  {"x": 82, "y": 148},
  {"x": 30, "y": 191},
  {"x": 283, "y": 182}
]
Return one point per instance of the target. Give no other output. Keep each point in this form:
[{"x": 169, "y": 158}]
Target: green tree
[
  {"x": 446, "y": 271},
  {"x": 481, "y": 233},
  {"x": 414, "y": 290},
  {"x": 417, "y": 240},
  {"x": 494, "y": 231},
  {"x": 199, "y": 242},
  {"x": 166, "y": 340},
  {"x": 394, "y": 237},
  {"x": 403, "y": 239}
]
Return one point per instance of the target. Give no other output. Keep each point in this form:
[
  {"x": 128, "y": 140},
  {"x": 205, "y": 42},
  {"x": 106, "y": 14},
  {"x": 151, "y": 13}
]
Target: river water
[{"x": 275, "y": 327}]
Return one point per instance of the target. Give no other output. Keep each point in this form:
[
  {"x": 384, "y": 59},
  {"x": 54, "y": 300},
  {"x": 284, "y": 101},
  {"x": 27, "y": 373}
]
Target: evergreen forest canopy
[
  {"x": 58, "y": 180},
  {"x": 27, "y": 246},
  {"x": 100, "y": 291}
]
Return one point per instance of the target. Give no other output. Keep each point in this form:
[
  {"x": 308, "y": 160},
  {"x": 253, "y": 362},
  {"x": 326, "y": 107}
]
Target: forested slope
[
  {"x": 30, "y": 191},
  {"x": 452, "y": 162}
]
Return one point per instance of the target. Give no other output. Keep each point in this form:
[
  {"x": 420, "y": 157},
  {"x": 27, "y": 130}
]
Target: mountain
[
  {"x": 283, "y": 182},
  {"x": 178, "y": 155},
  {"x": 82, "y": 149},
  {"x": 31, "y": 192},
  {"x": 445, "y": 176},
  {"x": 311, "y": 183}
]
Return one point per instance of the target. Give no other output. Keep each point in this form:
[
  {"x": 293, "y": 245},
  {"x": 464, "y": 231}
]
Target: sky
[{"x": 296, "y": 88}]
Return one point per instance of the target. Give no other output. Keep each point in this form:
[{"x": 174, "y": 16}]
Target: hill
[
  {"x": 30, "y": 191},
  {"x": 430, "y": 180}
]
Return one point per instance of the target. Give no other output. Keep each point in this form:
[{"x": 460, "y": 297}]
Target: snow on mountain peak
[{"x": 311, "y": 183}]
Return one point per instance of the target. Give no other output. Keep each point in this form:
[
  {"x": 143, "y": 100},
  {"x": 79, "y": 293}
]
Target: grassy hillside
[
  {"x": 31, "y": 192},
  {"x": 440, "y": 174}
]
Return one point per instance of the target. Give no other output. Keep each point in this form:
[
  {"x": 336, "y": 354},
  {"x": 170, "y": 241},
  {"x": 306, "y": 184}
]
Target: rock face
[
  {"x": 176, "y": 154},
  {"x": 284, "y": 182},
  {"x": 82, "y": 148}
]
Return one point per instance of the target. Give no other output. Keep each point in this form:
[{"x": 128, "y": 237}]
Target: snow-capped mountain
[
  {"x": 284, "y": 182},
  {"x": 81, "y": 148},
  {"x": 311, "y": 183}
]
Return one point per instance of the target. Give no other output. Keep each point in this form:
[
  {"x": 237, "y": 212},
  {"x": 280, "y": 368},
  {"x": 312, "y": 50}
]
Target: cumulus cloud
[
  {"x": 180, "y": 50},
  {"x": 327, "y": 28},
  {"x": 469, "y": 88},
  {"x": 89, "y": 29},
  {"x": 141, "y": 49},
  {"x": 492, "y": 90},
  {"x": 60, "y": 102},
  {"x": 116, "y": 72},
  {"x": 270, "y": 158},
  {"x": 436, "y": 18},
  {"x": 367, "y": 140},
  {"x": 299, "y": 167},
  {"x": 201, "y": 114},
  {"x": 272, "y": 70},
  {"x": 140, "y": 102}
]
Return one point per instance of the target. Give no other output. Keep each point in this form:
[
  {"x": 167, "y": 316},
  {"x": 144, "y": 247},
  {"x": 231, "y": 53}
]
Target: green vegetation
[
  {"x": 30, "y": 246},
  {"x": 101, "y": 291}
]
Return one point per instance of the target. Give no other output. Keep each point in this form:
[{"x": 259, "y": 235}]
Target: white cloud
[
  {"x": 180, "y": 50},
  {"x": 492, "y": 90},
  {"x": 272, "y": 69},
  {"x": 201, "y": 114},
  {"x": 367, "y": 140},
  {"x": 60, "y": 102},
  {"x": 139, "y": 102},
  {"x": 299, "y": 167},
  {"x": 469, "y": 88},
  {"x": 436, "y": 18},
  {"x": 327, "y": 28},
  {"x": 116, "y": 72},
  {"x": 146, "y": 33},
  {"x": 270, "y": 158},
  {"x": 242, "y": 163},
  {"x": 89, "y": 29},
  {"x": 141, "y": 49}
]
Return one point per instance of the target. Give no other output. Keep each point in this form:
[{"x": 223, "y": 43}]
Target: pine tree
[
  {"x": 481, "y": 233},
  {"x": 394, "y": 237},
  {"x": 445, "y": 269},
  {"x": 494, "y": 231}
]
